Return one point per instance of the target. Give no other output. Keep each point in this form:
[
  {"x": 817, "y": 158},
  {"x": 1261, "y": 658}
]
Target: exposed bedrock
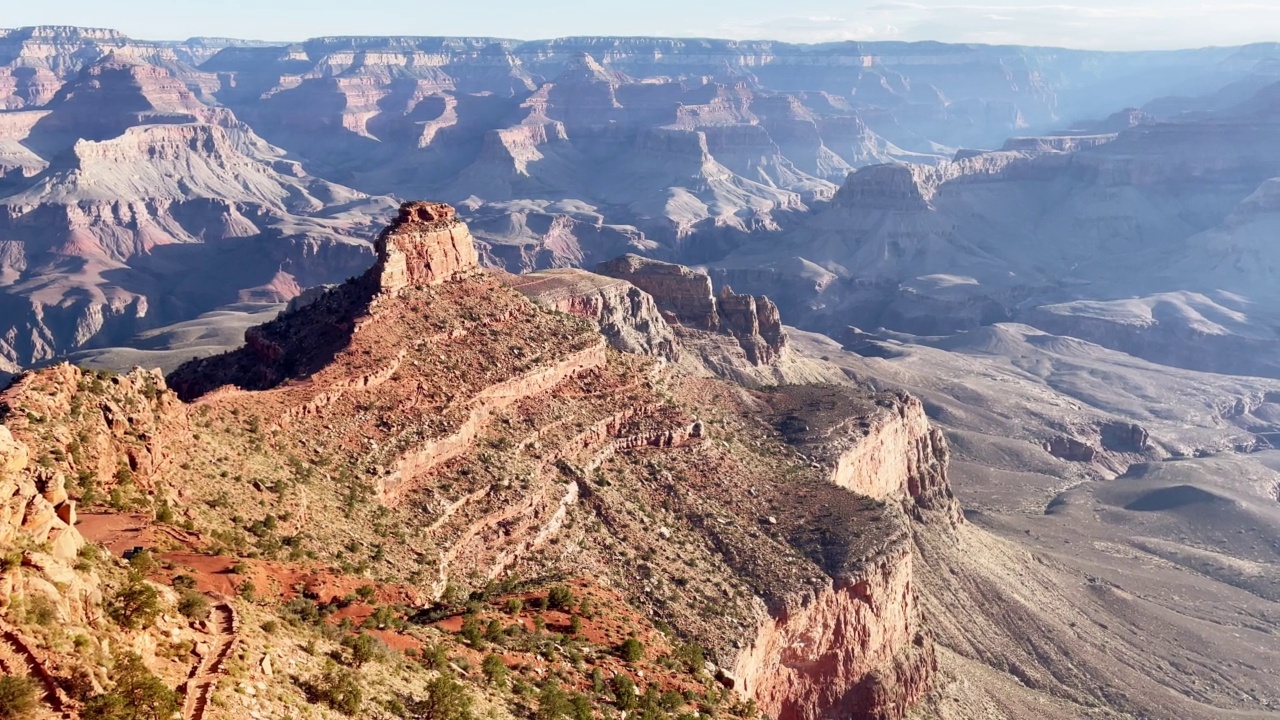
[
  {"x": 685, "y": 297},
  {"x": 628, "y": 316},
  {"x": 426, "y": 245},
  {"x": 857, "y": 649}
]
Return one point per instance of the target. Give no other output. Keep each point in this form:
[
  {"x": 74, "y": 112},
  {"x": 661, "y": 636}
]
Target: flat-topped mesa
[
  {"x": 426, "y": 245},
  {"x": 892, "y": 186}
]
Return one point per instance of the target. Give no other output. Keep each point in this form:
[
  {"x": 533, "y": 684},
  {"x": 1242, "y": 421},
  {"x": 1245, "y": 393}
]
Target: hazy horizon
[{"x": 1082, "y": 24}]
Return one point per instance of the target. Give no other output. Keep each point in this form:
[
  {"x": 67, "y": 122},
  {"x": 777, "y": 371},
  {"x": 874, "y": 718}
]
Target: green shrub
[
  {"x": 514, "y": 606},
  {"x": 553, "y": 703},
  {"x": 40, "y": 610},
  {"x": 494, "y": 669},
  {"x": 560, "y": 597},
  {"x": 17, "y": 697},
  {"x": 193, "y": 605},
  {"x": 142, "y": 562},
  {"x": 581, "y": 707},
  {"x": 137, "y": 694},
  {"x": 339, "y": 688},
  {"x": 624, "y": 692},
  {"x": 434, "y": 657},
  {"x": 471, "y": 631},
  {"x": 364, "y": 648},
  {"x": 631, "y": 650},
  {"x": 446, "y": 699}
]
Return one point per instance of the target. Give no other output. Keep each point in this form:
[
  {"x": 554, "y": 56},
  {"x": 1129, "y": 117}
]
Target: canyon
[
  {"x": 859, "y": 380},
  {"x": 571, "y": 152}
]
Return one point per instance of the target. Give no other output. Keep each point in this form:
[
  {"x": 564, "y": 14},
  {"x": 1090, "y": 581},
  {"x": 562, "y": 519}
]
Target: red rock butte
[{"x": 426, "y": 245}]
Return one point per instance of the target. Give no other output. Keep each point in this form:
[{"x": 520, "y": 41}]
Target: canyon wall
[
  {"x": 628, "y": 316},
  {"x": 858, "y": 649}
]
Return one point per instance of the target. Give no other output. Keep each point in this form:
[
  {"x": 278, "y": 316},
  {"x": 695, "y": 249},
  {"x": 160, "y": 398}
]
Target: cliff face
[
  {"x": 426, "y": 245},
  {"x": 686, "y": 298},
  {"x": 683, "y": 295},
  {"x": 857, "y": 649},
  {"x": 860, "y": 647},
  {"x": 628, "y": 316}
]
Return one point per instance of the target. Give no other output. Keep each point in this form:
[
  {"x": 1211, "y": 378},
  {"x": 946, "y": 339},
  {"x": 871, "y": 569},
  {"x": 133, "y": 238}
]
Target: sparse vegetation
[
  {"x": 337, "y": 687},
  {"x": 193, "y": 605},
  {"x": 136, "y": 694},
  {"x": 631, "y": 650},
  {"x": 494, "y": 669},
  {"x": 445, "y": 699},
  {"x": 17, "y": 697},
  {"x": 135, "y": 605}
]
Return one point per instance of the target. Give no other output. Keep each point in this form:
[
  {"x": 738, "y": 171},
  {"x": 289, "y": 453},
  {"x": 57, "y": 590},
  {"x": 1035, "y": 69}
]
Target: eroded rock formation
[
  {"x": 627, "y": 315},
  {"x": 426, "y": 245},
  {"x": 686, "y": 299}
]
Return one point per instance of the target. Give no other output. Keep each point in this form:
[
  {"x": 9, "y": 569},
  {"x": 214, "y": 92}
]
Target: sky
[{"x": 1090, "y": 24}]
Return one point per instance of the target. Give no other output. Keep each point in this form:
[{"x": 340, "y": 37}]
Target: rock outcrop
[
  {"x": 756, "y": 323},
  {"x": 628, "y": 316},
  {"x": 686, "y": 299},
  {"x": 683, "y": 295},
  {"x": 857, "y": 649},
  {"x": 426, "y": 245}
]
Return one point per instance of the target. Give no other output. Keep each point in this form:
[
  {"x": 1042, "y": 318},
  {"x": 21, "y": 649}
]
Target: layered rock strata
[
  {"x": 628, "y": 316},
  {"x": 426, "y": 245},
  {"x": 685, "y": 297}
]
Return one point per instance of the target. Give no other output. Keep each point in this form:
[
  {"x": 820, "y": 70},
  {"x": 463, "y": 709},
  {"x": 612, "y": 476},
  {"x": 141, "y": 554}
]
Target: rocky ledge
[{"x": 685, "y": 298}]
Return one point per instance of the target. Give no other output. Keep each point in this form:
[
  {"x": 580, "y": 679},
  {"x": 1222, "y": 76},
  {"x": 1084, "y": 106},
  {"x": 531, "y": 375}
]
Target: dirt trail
[
  {"x": 204, "y": 676},
  {"x": 25, "y": 662}
]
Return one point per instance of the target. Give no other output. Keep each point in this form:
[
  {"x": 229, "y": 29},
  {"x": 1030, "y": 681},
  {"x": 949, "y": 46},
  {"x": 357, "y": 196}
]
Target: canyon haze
[{"x": 946, "y": 374}]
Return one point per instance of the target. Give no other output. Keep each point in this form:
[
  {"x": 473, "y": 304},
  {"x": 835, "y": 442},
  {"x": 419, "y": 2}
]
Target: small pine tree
[
  {"x": 631, "y": 650},
  {"x": 446, "y": 699},
  {"x": 560, "y": 597},
  {"x": 136, "y": 605},
  {"x": 471, "y": 631},
  {"x": 137, "y": 695},
  {"x": 624, "y": 692},
  {"x": 364, "y": 648},
  {"x": 339, "y": 688},
  {"x": 193, "y": 605},
  {"x": 494, "y": 669},
  {"x": 553, "y": 703}
]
